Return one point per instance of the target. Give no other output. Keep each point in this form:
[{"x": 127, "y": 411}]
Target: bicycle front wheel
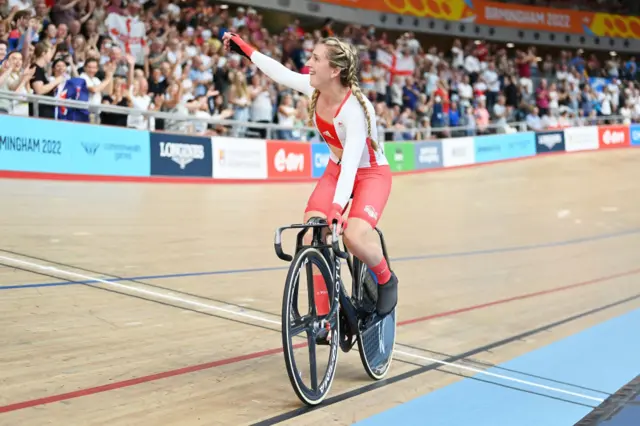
[{"x": 301, "y": 332}]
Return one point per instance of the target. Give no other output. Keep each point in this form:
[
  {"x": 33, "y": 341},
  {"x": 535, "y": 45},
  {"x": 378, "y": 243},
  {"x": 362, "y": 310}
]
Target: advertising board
[
  {"x": 319, "y": 158},
  {"x": 634, "y": 132},
  {"x": 504, "y": 146},
  {"x": 239, "y": 158},
  {"x": 39, "y": 145},
  {"x": 428, "y": 155},
  {"x": 581, "y": 138},
  {"x": 180, "y": 155},
  {"x": 550, "y": 142},
  {"x": 458, "y": 152},
  {"x": 400, "y": 155},
  {"x": 613, "y": 136},
  {"x": 288, "y": 159}
]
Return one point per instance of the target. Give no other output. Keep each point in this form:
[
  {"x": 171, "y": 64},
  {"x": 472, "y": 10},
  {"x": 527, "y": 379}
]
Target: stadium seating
[{"x": 168, "y": 57}]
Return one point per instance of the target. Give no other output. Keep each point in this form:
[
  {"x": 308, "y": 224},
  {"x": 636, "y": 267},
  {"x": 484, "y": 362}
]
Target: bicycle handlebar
[
  {"x": 335, "y": 240},
  {"x": 278, "y": 246}
]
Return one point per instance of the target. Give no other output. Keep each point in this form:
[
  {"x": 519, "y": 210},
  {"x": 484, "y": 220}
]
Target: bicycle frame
[{"x": 339, "y": 295}]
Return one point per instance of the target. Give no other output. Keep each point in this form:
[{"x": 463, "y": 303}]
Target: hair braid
[
  {"x": 311, "y": 109},
  {"x": 352, "y": 81}
]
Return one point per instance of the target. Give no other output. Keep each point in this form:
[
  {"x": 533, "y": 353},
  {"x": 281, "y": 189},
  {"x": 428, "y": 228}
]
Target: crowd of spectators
[{"x": 474, "y": 87}]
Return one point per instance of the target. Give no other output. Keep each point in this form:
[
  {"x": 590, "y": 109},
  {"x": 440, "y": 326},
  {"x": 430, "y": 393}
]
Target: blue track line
[{"x": 397, "y": 259}]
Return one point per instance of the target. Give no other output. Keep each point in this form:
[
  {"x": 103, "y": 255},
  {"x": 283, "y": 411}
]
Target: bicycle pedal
[{"x": 323, "y": 337}]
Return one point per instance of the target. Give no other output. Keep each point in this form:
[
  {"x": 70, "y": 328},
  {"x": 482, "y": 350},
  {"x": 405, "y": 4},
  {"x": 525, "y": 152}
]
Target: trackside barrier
[{"x": 60, "y": 147}]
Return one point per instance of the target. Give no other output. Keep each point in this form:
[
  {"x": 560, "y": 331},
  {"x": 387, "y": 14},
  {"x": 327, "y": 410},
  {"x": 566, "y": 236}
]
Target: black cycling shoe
[{"x": 387, "y": 296}]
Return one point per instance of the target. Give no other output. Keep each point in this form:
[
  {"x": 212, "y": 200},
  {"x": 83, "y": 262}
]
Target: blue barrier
[
  {"x": 634, "y": 131},
  {"x": 428, "y": 155},
  {"x": 550, "y": 142},
  {"x": 319, "y": 158},
  {"x": 181, "y": 155},
  {"x": 48, "y": 146},
  {"x": 504, "y": 147}
]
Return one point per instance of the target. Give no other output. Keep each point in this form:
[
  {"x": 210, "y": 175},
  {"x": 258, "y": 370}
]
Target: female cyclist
[{"x": 357, "y": 166}]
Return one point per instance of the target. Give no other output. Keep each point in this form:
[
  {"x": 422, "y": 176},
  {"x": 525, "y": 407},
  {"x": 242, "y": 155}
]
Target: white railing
[{"x": 271, "y": 129}]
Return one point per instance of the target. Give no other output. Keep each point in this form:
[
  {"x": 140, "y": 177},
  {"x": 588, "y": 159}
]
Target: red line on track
[
  {"x": 138, "y": 380},
  {"x": 521, "y": 297},
  {"x": 255, "y": 355}
]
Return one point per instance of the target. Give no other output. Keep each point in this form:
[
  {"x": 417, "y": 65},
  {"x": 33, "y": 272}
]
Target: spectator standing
[
  {"x": 261, "y": 103},
  {"x": 40, "y": 82}
]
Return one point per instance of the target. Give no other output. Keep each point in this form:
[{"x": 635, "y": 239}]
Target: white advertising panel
[
  {"x": 457, "y": 152},
  {"x": 581, "y": 138},
  {"x": 239, "y": 158}
]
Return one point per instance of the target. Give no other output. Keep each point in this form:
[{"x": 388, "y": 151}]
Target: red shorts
[{"x": 371, "y": 191}]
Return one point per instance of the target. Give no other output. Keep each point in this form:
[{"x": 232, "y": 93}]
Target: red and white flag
[
  {"x": 396, "y": 64},
  {"x": 129, "y": 32}
]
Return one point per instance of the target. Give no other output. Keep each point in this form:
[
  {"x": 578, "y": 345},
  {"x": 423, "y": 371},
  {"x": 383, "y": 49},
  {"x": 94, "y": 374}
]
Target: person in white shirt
[
  {"x": 458, "y": 55},
  {"x": 500, "y": 114},
  {"x": 140, "y": 100},
  {"x": 490, "y": 77},
  {"x": 472, "y": 66},
  {"x": 95, "y": 86},
  {"x": 465, "y": 91}
]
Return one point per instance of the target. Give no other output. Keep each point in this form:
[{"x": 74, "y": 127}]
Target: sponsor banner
[
  {"x": 451, "y": 10},
  {"x": 400, "y": 155},
  {"x": 180, "y": 155},
  {"x": 581, "y": 138},
  {"x": 502, "y": 14},
  {"x": 48, "y": 146},
  {"x": 428, "y": 155},
  {"x": 613, "y": 136},
  {"x": 458, "y": 152},
  {"x": 504, "y": 147},
  {"x": 319, "y": 158},
  {"x": 530, "y": 17},
  {"x": 549, "y": 142},
  {"x": 634, "y": 132},
  {"x": 239, "y": 158},
  {"x": 288, "y": 159}
]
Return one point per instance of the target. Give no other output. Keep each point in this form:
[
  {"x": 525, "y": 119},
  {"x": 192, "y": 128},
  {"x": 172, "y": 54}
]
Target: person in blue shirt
[{"x": 631, "y": 68}]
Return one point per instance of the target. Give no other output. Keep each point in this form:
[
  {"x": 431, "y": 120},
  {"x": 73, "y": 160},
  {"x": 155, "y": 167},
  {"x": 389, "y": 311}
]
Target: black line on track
[
  {"x": 67, "y": 265},
  {"x": 142, "y": 298},
  {"x": 434, "y": 366},
  {"x": 497, "y": 367}
]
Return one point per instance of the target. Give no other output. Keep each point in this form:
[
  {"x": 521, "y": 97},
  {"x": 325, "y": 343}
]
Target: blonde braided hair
[{"x": 344, "y": 56}]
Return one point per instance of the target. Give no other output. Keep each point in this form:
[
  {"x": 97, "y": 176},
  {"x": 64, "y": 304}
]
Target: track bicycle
[{"x": 351, "y": 318}]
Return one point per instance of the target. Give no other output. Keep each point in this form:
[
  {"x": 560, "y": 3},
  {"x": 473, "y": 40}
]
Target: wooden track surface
[{"x": 183, "y": 326}]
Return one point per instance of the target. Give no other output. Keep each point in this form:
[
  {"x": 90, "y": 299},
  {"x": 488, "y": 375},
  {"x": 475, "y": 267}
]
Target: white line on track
[
  {"x": 500, "y": 376},
  {"x": 135, "y": 289},
  {"x": 270, "y": 321}
]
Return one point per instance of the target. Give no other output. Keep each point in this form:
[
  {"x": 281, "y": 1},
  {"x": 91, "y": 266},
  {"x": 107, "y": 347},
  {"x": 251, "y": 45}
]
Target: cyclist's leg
[
  {"x": 371, "y": 192},
  {"x": 317, "y": 207}
]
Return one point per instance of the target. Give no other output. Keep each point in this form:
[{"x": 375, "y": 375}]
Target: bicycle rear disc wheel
[
  {"x": 376, "y": 341},
  {"x": 299, "y": 329}
]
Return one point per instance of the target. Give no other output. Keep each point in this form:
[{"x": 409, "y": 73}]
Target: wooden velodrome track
[{"x": 494, "y": 261}]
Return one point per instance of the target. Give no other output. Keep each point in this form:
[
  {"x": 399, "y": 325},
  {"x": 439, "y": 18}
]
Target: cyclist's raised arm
[{"x": 270, "y": 67}]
